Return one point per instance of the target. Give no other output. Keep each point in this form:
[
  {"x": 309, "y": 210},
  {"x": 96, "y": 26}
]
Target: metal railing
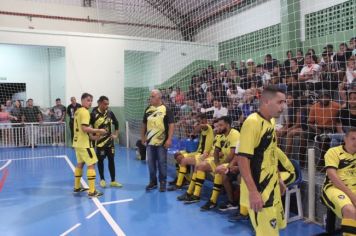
[{"x": 32, "y": 134}]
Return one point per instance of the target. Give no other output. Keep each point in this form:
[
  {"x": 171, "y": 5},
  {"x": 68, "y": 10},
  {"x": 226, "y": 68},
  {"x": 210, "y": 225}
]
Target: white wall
[
  {"x": 30, "y": 65},
  {"x": 142, "y": 67},
  {"x": 125, "y": 13},
  {"x": 309, "y": 6},
  {"x": 258, "y": 17},
  {"x": 95, "y": 63}
]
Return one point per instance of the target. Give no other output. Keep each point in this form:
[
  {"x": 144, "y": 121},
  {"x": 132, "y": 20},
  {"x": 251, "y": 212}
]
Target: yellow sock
[
  {"x": 91, "y": 175},
  {"x": 243, "y": 210},
  {"x": 348, "y": 227},
  {"x": 181, "y": 174},
  {"x": 192, "y": 184},
  {"x": 216, "y": 188},
  {"x": 77, "y": 175},
  {"x": 199, "y": 183}
]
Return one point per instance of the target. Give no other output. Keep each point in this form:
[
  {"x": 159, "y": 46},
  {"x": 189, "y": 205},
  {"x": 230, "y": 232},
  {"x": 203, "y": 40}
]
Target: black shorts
[{"x": 103, "y": 152}]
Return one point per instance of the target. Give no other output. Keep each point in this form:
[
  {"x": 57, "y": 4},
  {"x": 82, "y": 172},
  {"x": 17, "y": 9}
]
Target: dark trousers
[
  {"x": 102, "y": 153},
  {"x": 157, "y": 156}
]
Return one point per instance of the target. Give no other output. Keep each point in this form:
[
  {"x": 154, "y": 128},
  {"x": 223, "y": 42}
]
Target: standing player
[
  {"x": 84, "y": 146},
  {"x": 339, "y": 190},
  {"x": 258, "y": 165},
  {"x": 103, "y": 118},
  {"x": 157, "y": 132}
]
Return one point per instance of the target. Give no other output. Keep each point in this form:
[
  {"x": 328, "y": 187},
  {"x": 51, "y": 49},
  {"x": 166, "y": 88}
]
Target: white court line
[
  {"x": 92, "y": 214},
  {"x": 31, "y": 158},
  {"x": 108, "y": 203},
  {"x": 101, "y": 208},
  {"x": 119, "y": 201},
  {"x": 6, "y": 164},
  {"x": 70, "y": 230}
]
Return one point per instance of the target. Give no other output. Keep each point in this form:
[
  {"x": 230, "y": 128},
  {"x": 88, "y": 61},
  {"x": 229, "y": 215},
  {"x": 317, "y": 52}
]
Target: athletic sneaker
[
  {"x": 192, "y": 199},
  {"x": 226, "y": 206},
  {"x": 116, "y": 184},
  {"x": 151, "y": 186},
  {"x": 238, "y": 217},
  {"x": 174, "y": 188},
  {"x": 95, "y": 194},
  {"x": 102, "y": 183},
  {"x": 208, "y": 206},
  {"x": 79, "y": 190},
  {"x": 183, "y": 197}
]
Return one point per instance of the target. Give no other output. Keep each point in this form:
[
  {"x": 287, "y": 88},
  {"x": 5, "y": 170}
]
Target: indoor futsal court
[
  {"x": 178, "y": 117},
  {"x": 38, "y": 200}
]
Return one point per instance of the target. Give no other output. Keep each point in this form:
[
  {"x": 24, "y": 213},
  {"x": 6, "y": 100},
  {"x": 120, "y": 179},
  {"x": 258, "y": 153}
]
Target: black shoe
[
  {"x": 95, "y": 194},
  {"x": 151, "y": 186},
  {"x": 162, "y": 187},
  {"x": 173, "y": 182},
  {"x": 174, "y": 188},
  {"x": 228, "y": 206},
  {"x": 238, "y": 217},
  {"x": 183, "y": 197},
  {"x": 208, "y": 206},
  {"x": 192, "y": 199},
  {"x": 79, "y": 190}
]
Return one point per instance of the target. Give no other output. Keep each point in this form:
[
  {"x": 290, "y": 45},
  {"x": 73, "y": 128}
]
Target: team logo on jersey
[
  {"x": 273, "y": 223},
  {"x": 227, "y": 144},
  {"x": 341, "y": 197}
]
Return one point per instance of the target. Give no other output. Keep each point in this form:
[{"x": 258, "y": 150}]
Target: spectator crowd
[{"x": 321, "y": 93}]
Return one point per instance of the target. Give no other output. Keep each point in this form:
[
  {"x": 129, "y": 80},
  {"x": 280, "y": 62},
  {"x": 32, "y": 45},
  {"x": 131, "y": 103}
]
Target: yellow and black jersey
[
  {"x": 285, "y": 167},
  {"x": 157, "y": 120},
  {"x": 206, "y": 140},
  {"x": 345, "y": 165},
  {"x": 226, "y": 142},
  {"x": 104, "y": 120},
  {"x": 217, "y": 139},
  {"x": 81, "y": 139},
  {"x": 259, "y": 144}
]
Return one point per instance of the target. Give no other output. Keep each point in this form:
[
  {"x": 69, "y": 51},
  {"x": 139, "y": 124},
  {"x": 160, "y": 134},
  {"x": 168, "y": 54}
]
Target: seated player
[
  {"x": 223, "y": 153},
  {"x": 204, "y": 147},
  {"x": 217, "y": 138},
  {"x": 339, "y": 189}
]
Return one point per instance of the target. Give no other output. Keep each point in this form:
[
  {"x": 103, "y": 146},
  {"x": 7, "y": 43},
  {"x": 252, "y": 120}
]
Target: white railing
[{"x": 32, "y": 134}]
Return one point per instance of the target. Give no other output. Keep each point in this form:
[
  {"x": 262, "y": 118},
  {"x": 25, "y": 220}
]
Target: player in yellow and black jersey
[
  {"x": 83, "y": 146},
  {"x": 258, "y": 165},
  {"x": 217, "y": 138},
  {"x": 206, "y": 138},
  {"x": 339, "y": 190},
  {"x": 103, "y": 118},
  {"x": 223, "y": 153},
  {"x": 157, "y": 132}
]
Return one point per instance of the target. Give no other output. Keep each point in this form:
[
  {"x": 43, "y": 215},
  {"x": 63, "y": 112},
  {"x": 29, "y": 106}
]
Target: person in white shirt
[
  {"x": 310, "y": 73},
  {"x": 219, "y": 110}
]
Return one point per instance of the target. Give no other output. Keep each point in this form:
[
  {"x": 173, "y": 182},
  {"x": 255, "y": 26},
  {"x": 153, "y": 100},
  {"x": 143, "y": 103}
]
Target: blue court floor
[{"x": 36, "y": 199}]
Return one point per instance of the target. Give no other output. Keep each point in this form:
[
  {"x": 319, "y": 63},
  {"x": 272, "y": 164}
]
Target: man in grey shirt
[{"x": 58, "y": 112}]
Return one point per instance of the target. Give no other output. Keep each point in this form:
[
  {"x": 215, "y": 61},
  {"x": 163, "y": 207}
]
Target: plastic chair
[
  {"x": 191, "y": 145},
  {"x": 294, "y": 188},
  {"x": 174, "y": 147}
]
